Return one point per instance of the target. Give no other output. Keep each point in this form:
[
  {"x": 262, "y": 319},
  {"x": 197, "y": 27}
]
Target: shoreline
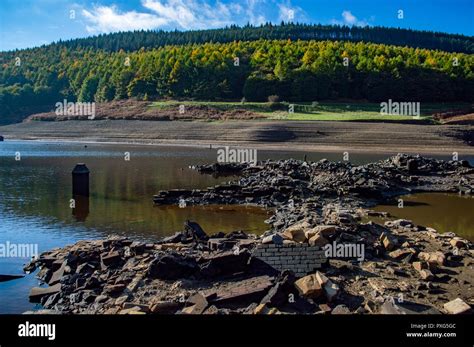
[
  {"x": 261, "y": 146},
  {"x": 320, "y": 136}
]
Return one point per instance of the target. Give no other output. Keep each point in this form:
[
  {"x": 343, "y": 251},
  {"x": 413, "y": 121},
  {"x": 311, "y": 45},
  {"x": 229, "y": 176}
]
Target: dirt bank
[
  {"x": 288, "y": 135},
  {"x": 142, "y": 110}
]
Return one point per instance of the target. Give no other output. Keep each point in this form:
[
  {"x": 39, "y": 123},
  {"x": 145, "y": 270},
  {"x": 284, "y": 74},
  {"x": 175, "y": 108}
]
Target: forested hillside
[{"x": 294, "y": 70}]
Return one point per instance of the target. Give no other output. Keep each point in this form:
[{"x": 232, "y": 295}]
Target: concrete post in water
[{"x": 80, "y": 180}]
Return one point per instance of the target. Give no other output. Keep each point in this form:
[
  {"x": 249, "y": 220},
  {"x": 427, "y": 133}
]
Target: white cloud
[
  {"x": 289, "y": 13},
  {"x": 103, "y": 19},
  {"x": 171, "y": 14},
  {"x": 349, "y": 19}
]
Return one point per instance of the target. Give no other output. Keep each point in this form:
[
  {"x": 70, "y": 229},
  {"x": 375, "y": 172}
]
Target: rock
[
  {"x": 111, "y": 259},
  {"x": 395, "y": 271},
  {"x": 426, "y": 274},
  {"x": 225, "y": 263},
  {"x": 263, "y": 309},
  {"x": 171, "y": 267},
  {"x": 296, "y": 232},
  {"x": 318, "y": 240},
  {"x": 407, "y": 307},
  {"x": 381, "y": 214},
  {"x": 193, "y": 230},
  {"x": 412, "y": 166},
  {"x": 370, "y": 306},
  {"x": 401, "y": 253},
  {"x": 457, "y": 306},
  {"x": 30, "y": 267},
  {"x": 132, "y": 310},
  {"x": 331, "y": 290},
  {"x": 44, "y": 274},
  {"x": 85, "y": 268},
  {"x": 237, "y": 235},
  {"x": 435, "y": 258},
  {"x": 388, "y": 241},
  {"x": 341, "y": 309},
  {"x": 199, "y": 304},
  {"x": 56, "y": 277},
  {"x": 51, "y": 300},
  {"x": 458, "y": 242},
  {"x": 277, "y": 296},
  {"x": 399, "y": 223},
  {"x": 164, "y": 307},
  {"x": 275, "y": 238},
  {"x": 327, "y": 230},
  {"x": 309, "y": 287},
  {"x": 249, "y": 290},
  {"x": 101, "y": 298},
  {"x": 325, "y": 308},
  {"x": 175, "y": 238},
  {"x": 420, "y": 265},
  {"x": 310, "y": 233},
  {"x": 113, "y": 289},
  {"x": 220, "y": 244},
  {"x": 36, "y": 293}
]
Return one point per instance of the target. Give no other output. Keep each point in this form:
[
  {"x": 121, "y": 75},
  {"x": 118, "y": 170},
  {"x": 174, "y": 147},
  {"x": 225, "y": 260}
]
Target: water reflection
[
  {"x": 443, "y": 212},
  {"x": 80, "y": 209}
]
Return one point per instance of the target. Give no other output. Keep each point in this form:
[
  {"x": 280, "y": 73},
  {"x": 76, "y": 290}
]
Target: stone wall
[{"x": 299, "y": 258}]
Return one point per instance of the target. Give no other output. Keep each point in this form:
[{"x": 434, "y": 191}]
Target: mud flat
[
  {"x": 316, "y": 258},
  {"x": 284, "y": 135}
]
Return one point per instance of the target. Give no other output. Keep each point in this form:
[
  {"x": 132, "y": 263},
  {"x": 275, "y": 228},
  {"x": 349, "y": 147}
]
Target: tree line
[{"x": 149, "y": 39}]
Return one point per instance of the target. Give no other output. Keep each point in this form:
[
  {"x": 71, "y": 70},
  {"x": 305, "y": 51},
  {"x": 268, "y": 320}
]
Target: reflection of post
[
  {"x": 80, "y": 180},
  {"x": 81, "y": 209}
]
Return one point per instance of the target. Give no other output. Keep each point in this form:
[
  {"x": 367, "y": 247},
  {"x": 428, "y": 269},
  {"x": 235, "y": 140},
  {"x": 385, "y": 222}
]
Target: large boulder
[
  {"x": 172, "y": 266},
  {"x": 331, "y": 290},
  {"x": 457, "y": 306},
  {"x": 193, "y": 230},
  {"x": 277, "y": 296},
  {"x": 434, "y": 258},
  {"x": 225, "y": 263},
  {"x": 296, "y": 232},
  {"x": 309, "y": 287}
]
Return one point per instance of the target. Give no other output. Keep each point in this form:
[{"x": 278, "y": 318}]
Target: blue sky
[{"x": 28, "y": 23}]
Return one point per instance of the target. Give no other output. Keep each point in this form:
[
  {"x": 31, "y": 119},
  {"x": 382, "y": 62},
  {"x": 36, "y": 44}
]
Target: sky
[{"x": 29, "y": 23}]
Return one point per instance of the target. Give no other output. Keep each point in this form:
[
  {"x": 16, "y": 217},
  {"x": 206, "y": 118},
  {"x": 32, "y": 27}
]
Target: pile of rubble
[
  {"x": 405, "y": 269},
  {"x": 317, "y": 257},
  {"x": 194, "y": 274},
  {"x": 275, "y": 183}
]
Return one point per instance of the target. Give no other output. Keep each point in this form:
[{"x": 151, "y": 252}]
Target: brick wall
[{"x": 299, "y": 258}]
